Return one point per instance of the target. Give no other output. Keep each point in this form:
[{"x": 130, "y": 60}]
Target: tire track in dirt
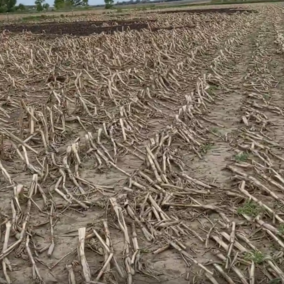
[
  {"x": 263, "y": 62},
  {"x": 217, "y": 117},
  {"x": 259, "y": 165},
  {"x": 224, "y": 116},
  {"x": 169, "y": 260},
  {"x": 221, "y": 132},
  {"x": 276, "y": 67},
  {"x": 208, "y": 169},
  {"x": 233, "y": 102}
]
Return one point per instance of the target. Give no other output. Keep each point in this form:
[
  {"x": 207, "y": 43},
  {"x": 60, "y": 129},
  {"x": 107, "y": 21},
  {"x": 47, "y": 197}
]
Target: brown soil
[
  {"x": 228, "y": 11},
  {"x": 108, "y": 27},
  {"x": 82, "y": 28},
  {"x": 75, "y": 28}
]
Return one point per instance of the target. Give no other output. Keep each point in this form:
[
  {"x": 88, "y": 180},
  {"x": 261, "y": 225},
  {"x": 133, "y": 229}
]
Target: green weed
[
  {"x": 37, "y": 18},
  {"x": 215, "y": 130},
  {"x": 206, "y": 147},
  {"x": 211, "y": 90},
  {"x": 266, "y": 96},
  {"x": 281, "y": 229},
  {"x": 142, "y": 9},
  {"x": 255, "y": 256},
  {"x": 241, "y": 157},
  {"x": 250, "y": 208},
  {"x": 144, "y": 250}
]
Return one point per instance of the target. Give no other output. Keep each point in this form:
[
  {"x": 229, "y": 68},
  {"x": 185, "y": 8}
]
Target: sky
[{"x": 31, "y": 2}]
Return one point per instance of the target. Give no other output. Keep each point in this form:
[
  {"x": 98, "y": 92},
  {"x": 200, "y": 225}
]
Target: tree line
[
  {"x": 60, "y": 4},
  {"x": 7, "y": 6}
]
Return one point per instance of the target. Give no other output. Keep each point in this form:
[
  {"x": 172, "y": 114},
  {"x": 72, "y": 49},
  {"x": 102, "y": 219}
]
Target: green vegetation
[
  {"x": 21, "y": 7},
  {"x": 45, "y": 6},
  {"x": 37, "y": 18},
  {"x": 215, "y": 130},
  {"x": 40, "y": 5},
  {"x": 255, "y": 256},
  {"x": 63, "y": 4},
  {"x": 142, "y": 9},
  {"x": 109, "y": 4},
  {"x": 206, "y": 147},
  {"x": 241, "y": 157},
  {"x": 211, "y": 89},
  {"x": 281, "y": 229},
  {"x": 266, "y": 96},
  {"x": 224, "y": 2},
  {"x": 7, "y": 6},
  {"x": 275, "y": 281},
  {"x": 250, "y": 208},
  {"x": 144, "y": 250}
]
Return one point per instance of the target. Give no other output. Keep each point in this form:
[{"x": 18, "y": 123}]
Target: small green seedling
[
  {"x": 250, "y": 208},
  {"x": 255, "y": 256},
  {"x": 241, "y": 157},
  {"x": 211, "y": 89},
  {"x": 215, "y": 130},
  {"x": 275, "y": 281},
  {"x": 266, "y": 96},
  {"x": 144, "y": 250},
  {"x": 206, "y": 147},
  {"x": 281, "y": 229}
]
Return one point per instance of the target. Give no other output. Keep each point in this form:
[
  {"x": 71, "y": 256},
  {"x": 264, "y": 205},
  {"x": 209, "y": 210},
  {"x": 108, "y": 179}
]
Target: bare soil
[
  {"x": 76, "y": 28},
  {"x": 85, "y": 28},
  {"x": 228, "y": 11}
]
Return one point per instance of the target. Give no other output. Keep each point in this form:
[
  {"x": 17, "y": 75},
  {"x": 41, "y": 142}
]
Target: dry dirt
[{"x": 143, "y": 156}]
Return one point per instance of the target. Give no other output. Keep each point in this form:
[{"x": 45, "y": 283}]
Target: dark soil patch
[
  {"x": 96, "y": 27},
  {"x": 76, "y": 28},
  {"x": 228, "y": 11},
  {"x": 82, "y": 28}
]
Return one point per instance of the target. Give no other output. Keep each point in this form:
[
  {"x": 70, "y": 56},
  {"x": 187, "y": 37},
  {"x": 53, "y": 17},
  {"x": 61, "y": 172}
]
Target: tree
[
  {"x": 59, "y": 4},
  {"x": 7, "y": 5},
  {"x": 76, "y": 3},
  {"x": 45, "y": 6},
  {"x": 39, "y": 4},
  {"x": 11, "y": 5},
  {"x": 21, "y": 7},
  {"x": 108, "y": 4}
]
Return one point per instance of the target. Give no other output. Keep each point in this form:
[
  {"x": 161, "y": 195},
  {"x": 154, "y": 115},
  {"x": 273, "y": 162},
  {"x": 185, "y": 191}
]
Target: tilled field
[
  {"x": 145, "y": 157},
  {"x": 67, "y": 26},
  {"x": 77, "y": 28}
]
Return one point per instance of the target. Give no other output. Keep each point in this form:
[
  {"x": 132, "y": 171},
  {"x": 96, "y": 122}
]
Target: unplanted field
[
  {"x": 142, "y": 156},
  {"x": 85, "y": 28}
]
